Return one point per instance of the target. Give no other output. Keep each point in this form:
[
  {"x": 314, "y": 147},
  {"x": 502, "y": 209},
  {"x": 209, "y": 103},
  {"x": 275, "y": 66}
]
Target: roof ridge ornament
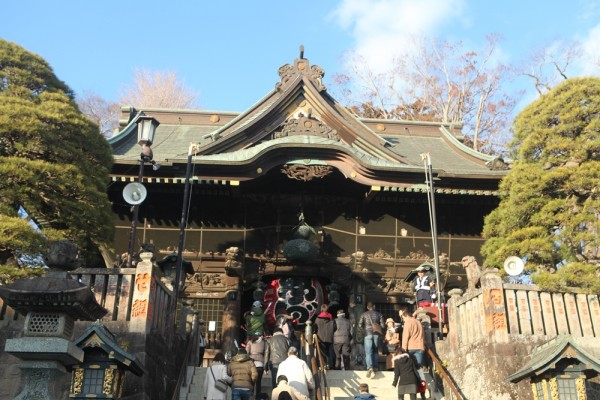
[{"x": 301, "y": 67}]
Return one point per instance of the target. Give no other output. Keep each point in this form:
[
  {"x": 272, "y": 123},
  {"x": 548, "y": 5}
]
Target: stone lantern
[
  {"x": 51, "y": 305},
  {"x": 559, "y": 370},
  {"x": 101, "y": 375}
]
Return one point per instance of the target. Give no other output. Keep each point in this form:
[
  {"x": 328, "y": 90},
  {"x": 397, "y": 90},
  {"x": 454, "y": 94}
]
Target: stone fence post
[
  {"x": 496, "y": 327},
  {"x": 454, "y": 320},
  {"x": 142, "y": 303}
]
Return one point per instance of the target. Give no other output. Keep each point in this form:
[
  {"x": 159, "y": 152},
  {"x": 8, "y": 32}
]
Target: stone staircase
[{"x": 343, "y": 385}]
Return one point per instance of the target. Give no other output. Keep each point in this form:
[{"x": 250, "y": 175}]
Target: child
[{"x": 363, "y": 393}]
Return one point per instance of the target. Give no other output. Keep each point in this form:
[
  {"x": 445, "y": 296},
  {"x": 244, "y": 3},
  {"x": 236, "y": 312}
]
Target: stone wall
[
  {"x": 481, "y": 368},
  {"x": 492, "y": 331}
]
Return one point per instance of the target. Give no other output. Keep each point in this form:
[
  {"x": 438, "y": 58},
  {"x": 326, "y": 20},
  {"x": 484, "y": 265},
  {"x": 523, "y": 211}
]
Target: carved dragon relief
[{"x": 306, "y": 173}]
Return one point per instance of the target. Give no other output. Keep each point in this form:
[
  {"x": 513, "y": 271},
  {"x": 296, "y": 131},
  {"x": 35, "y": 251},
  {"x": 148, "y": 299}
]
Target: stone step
[{"x": 343, "y": 385}]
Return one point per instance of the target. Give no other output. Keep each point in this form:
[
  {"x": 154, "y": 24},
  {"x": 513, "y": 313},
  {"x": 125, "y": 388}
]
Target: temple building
[{"x": 297, "y": 201}]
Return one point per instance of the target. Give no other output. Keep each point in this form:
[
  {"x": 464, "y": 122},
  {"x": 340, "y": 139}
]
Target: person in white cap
[
  {"x": 342, "y": 335},
  {"x": 297, "y": 372},
  {"x": 423, "y": 287}
]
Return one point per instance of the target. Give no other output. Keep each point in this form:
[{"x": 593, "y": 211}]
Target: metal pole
[
  {"x": 432, "y": 220},
  {"x": 183, "y": 222},
  {"x": 136, "y": 211}
]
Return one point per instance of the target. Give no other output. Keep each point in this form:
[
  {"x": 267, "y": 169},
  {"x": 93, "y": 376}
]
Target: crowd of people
[{"x": 403, "y": 342}]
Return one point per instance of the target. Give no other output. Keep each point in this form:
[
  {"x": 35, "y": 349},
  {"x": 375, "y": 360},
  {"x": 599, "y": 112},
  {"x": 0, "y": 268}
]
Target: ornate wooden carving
[
  {"x": 213, "y": 280},
  {"x": 107, "y": 387},
  {"x": 301, "y": 67},
  {"x": 208, "y": 279},
  {"x": 497, "y": 164},
  {"x": 306, "y": 172},
  {"x": 77, "y": 381},
  {"x": 306, "y": 125},
  {"x": 395, "y": 286},
  {"x": 233, "y": 257}
]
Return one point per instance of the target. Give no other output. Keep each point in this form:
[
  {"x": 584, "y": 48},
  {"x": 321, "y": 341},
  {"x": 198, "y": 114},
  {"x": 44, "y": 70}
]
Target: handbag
[
  {"x": 220, "y": 384},
  {"x": 377, "y": 329}
]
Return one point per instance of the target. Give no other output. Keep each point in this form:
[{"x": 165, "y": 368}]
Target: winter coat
[
  {"x": 343, "y": 331},
  {"x": 412, "y": 334},
  {"x": 255, "y": 321},
  {"x": 256, "y": 351},
  {"x": 284, "y": 387},
  {"x": 324, "y": 327},
  {"x": 368, "y": 318},
  {"x": 242, "y": 371},
  {"x": 298, "y": 374},
  {"x": 220, "y": 372},
  {"x": 282, "y": 321},
  {"x": 364, "y": 396},
  {"x": 405, "y": 372},
  {"x": 277, "y": 349}
]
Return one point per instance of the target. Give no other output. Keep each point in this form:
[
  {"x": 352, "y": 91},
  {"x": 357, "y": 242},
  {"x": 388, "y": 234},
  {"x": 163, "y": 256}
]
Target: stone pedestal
[{"x": 40, "y": 377}]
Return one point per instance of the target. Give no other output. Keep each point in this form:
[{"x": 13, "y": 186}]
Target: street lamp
[
  {"x": 432, "y": 221},
  {"x": 146, "y": 128}
]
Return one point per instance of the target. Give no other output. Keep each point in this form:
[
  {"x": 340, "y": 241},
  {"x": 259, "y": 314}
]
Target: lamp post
[
  {"x": 192, "y": 150},
  {"x": 146, "y": 128},
  {"x": 432, "y": 221}
]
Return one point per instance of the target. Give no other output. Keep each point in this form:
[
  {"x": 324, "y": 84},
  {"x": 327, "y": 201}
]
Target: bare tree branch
[
  {"x": 158, "y": 89},
  {"x": 105, "y": 114}
]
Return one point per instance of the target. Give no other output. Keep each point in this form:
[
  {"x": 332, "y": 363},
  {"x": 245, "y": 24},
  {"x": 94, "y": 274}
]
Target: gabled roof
[
  {"x": 100, "y": 337},
  {"x": 298, "y": 120},
  {"x": 546, "y": 356}
]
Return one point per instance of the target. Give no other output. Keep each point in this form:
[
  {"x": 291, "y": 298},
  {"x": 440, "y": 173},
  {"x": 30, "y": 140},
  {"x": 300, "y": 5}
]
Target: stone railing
[
  {"x": 498, "y": 311},
  {"x": 135, "y": 295}
]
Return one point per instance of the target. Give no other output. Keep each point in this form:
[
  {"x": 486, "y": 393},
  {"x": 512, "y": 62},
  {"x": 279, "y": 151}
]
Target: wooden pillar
[{"x": 232, "y": 304}]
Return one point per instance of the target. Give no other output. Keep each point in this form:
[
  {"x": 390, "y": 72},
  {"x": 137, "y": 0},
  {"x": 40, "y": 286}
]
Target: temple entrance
[{"x": 298, "y": 297}]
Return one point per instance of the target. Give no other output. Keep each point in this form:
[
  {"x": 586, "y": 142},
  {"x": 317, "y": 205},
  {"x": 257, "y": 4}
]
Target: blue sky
[{"x": 229, "y": 51}]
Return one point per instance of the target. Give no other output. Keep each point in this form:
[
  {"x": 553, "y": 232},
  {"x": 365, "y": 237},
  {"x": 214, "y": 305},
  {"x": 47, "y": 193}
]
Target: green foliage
[
  {"x": 550, "y": 201},
  {"x": 575, "y": 275},
  {"x": 53, "y": 161},
  {"x": 9, "y": 274},
  {"x": 15, "y": 233}
]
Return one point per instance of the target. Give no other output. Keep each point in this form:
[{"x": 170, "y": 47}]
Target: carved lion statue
[{"x": 470, "y": 265}]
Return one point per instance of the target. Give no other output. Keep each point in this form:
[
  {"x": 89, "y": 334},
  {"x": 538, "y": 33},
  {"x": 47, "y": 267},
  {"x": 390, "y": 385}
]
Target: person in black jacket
[
  {"x": 342, "y": 335},
  {"x": 371, "y": 340},
  {"x": 405, "y": 374},
  {"x": 276, "y": 353},
  {"x": 324, "y": 325}
]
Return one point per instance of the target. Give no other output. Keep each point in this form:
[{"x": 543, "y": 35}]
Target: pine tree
[
  {"x": 550, "y": 201},
  {"x": 54, "y": 163}
]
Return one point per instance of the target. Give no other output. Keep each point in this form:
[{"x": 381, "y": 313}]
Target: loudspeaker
[
  {"x": 513, "y": 265},
  {"x": 134, "y": 193}
]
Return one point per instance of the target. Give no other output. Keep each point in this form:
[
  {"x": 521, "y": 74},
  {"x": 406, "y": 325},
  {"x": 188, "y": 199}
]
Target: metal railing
[
  {"x": 443, "y": 373},
  {"x": 188, "y": 358}
]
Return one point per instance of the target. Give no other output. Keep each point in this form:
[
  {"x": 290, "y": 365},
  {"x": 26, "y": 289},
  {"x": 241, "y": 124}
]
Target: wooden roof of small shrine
[
  {"x": 547, "y": 356},
  {"x": 299, "y": 123}
]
